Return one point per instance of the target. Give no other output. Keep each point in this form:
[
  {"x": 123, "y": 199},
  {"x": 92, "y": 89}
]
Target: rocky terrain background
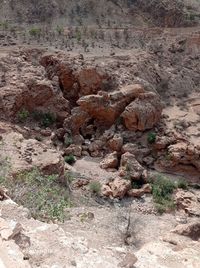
[{"x": 99, "y": 134}]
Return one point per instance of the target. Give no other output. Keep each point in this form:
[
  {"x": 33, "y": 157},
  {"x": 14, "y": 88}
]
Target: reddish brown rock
[
  {"x": 110, "y": 161},
  {"x": 106, "y": 191},
  {"x": 143, "y": 113},
  {"x": 73, "y": 149},
  {"x": 120, "y": 187},
  {"x": 131, "y": 168},
  {"x": 146, "y": 188},
  {"x": 140, "y": 153},
  {"x": 76, "y": 120},
  {"x": 90, "y": 81},
  {"x": 28, "y": 88},
  {"x": 181, "y": 158},
  {"x": 106, "y": 108},
  {"x": 187, "y": 201},
  {"x": 115, "y": 144},
  {"x": 96, "y": 147},
  {"x": 163, "y": 142}
]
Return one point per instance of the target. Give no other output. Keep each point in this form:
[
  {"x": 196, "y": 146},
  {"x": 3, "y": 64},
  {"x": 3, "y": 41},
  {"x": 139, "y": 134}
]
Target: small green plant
[
  {"x": 168, "y": 157},
  {"x": 4, "y": 25},
  {"x": 23, "y": 115},
  {"x": 182, "y": 184},
  {"x": 59, "y": 29},
  {"x": 151, "y": 138},
  {"x": 70, "y": 159},
  {"x": 68, "y": 140},
  {"x": 162, "y": 190},
  {"x": 35, "y": 32},
  {"x": 95, "y": 187},
  {"x": 46, "y": 119}
]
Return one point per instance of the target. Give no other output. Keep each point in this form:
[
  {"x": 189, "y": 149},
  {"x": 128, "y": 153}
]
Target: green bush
[
  {"x": 182, "y": 184},
  {"x": 46, "y": 119},
  {"x": 151, "y": 138},
  {"x": 35, "y": 32},
  {"x": 70, "y": 159},
  {"x": 23, "y": 115},
  {"x": 95, "y": 187},
  {"x": 162, "y": 190},
  {"x": 68, "y": 140}
]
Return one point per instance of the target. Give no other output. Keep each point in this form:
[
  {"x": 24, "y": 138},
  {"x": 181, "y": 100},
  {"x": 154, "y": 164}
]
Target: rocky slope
[
  {"x": 158, "y": 13},
  {"x": 99, "y": 140}
]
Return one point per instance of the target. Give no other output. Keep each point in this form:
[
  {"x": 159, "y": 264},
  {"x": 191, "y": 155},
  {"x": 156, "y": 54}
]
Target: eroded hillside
[{"x": 99, "y": 134}]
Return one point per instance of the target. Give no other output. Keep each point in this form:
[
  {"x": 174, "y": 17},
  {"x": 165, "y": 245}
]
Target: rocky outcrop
[
  {"x": 188, "y": 201},
  {"x": 181, "y": 158},
  {"x": 119, "y": 187},
  {"x": 145, "y": 189},
  {"x": 131, "y": 169},
  {"x": 76, "y": 120},
  {"x": 106, "y": 108},
  {"x": 110, "y": 161},
  {"x": 191, "y": 230},
  {"x": 143, "y": 113},
  {"x": 26, "y": 87},
  {"x": 73, "y": 149},
  {"x": 115, "y": 144},
  {"x": 26, "y": 154},
  {"x": 90, "y": 81}
]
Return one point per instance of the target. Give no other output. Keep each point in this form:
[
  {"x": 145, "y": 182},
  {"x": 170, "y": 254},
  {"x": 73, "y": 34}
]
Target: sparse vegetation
[
  {"x": 95, "y": 187},
  {"x": 46, "y": 119},
  {"x": 182, "y": 184},
  {"x": 162, "y": 190},
  {"x": 68, "y": 140},
  {"x": 23, "y": 115},
  {"x": 151, "y": 138},
  {"x": 70, "y": 159},
  {"x": 43, "y": 195},
  {"x": 35, "y": 32}
]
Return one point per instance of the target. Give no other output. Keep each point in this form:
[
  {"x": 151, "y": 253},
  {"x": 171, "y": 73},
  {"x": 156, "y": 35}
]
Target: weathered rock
[
  {"x": 73, "y": 149},
  {"x": 96, "y": 146},
  {"x": 181, "y": 158},
  {"x": 191, "y": 229},
  {"x": 28, "y": 88},
  {"x": 106, "y": 191},
  {"x": 120, "y": 187},
  {"x": 106, "y": 108},
  {"x": 188, "y": 201},
  {"x": 78, "y": 139},
  {"x": 67, "y": 82},
  {"x": 45, "y": 132},
  {"x": 131, "y": 168},
  {"x": 110, "y": 161},
  {"x": 25, "y": 154},
  {"x": 60, "y": 132},
  {"x": 143, "y": 113},
  {"x": 8, "y": 230},
  {"x": 3, "y": 194},
  {"x": 146, "y": 188},
  {"x": 80, "y": 183},
  {"x": 163, "y": 142},
  {"x": 76, "y": 120},
  {"x": 140, "y": 153},
  {"x": 90, "y": 81},
  {"x": 128, "y": 261},
  {"x": 115, "y": 144}
]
